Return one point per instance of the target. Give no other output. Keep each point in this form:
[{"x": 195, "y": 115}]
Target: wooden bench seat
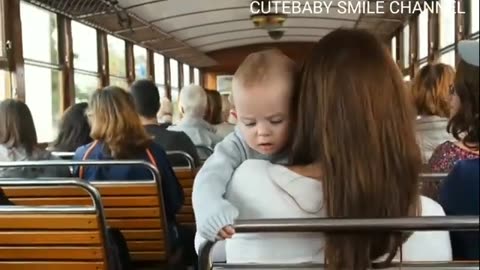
[{"x": 186, "y": 177}]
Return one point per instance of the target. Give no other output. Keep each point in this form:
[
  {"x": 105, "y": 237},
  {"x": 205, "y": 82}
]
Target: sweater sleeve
[{"x": 212, "y": 211}]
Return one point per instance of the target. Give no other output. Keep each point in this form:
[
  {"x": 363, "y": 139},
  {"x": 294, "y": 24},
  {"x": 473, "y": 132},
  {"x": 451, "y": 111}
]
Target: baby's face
[{"x": 263, "y": 115}]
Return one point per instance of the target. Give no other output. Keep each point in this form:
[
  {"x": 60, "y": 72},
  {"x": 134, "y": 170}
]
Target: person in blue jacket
[{"x": 119, "y": 135}]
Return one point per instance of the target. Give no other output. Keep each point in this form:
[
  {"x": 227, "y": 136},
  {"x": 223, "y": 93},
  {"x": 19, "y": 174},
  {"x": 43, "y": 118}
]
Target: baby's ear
[{"x": 233, "y": 113}]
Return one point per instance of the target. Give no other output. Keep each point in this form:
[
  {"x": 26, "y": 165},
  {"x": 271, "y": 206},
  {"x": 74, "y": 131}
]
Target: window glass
[
  {"x": 474, "y": 17},
  {"x": 161, "y": 90},
  {"x": 186, "y": 74},
  {"x": 173, "y": 73},
  {"x": 42, "y": 95},
  {"x": 406, "y": 46},
  {"x": 84, "y": 47},
  {"x": 39, "y": 34},
  {"x": 140, "y": 55},
  {"x": 448, "y": 58},
  {"x": 406, "y": 78},
  {"x": 423, "y": 34},
  {"x": 116, "y": 56},
  {"x": 120, "y": 82},
  {"x": 196, "y": 76},
  {"x": 3, "y": 84},
  {"x": 447, "y": 23},
  {"x": 422, "y": 64},
  {"x": 159, "y": 69},
  {"x": 394, "y": 48},
  {"x": 85, "y": 85}
]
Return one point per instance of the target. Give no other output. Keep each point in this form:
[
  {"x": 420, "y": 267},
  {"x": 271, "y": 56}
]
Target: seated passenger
[
  {"x": 119, "y": 135},
  {"x": 350, "y": 90},
  {"x": 228, "y": 120},
  {"x": 213, "y": 113},
  {"x": 165, "y": 114},
  {"x": 147, "y": 103},
  {"x": 74, "y": 129},
  {"x": 430, "y": 95},
  {"x": 18, "y": 142},
  {"x": 193, "y": 104},
  {"x": 464, "y": 121},
  {"x": 459, "y": 196}
]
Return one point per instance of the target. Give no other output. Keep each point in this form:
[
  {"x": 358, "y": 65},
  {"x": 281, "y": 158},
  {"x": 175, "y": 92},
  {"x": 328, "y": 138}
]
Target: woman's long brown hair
[
  {"x": 353, "y": 115},
  {"x": 114, "y": 121}
]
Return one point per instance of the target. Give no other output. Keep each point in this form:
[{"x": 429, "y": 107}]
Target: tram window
[
  {"x": 394, "y": 48},
  {"x": 43, "y": 98},
  {"x": 3, "y": 84},
  {"x": 85, "y": 85},
  {"x": 474, "y": 17},
  {"x": 39, "y": 34},
  {"x": 120, "y": 82},
  {"x": 159, "y": 69},
  {"x": 140, "y": 55},
  {"x": 423, "y": 34},
  {"x": 406, "y": 46},
  {"x": 448, "y": 58},
  {"x": 447, "y": 23},
  {"x": 173, "y": 73},
  {"x": 186, "y": 74},
  {"x": 84, "y": 47},
  {"x": 406, "y": 78},
  {"x": 116, "y": 56},
  {"x": 196, "y": 76}
]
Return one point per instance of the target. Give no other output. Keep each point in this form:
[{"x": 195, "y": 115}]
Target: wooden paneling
[
  {"x": 48, "y": 222},
  {"x": 229, "y": 59},
  {"x": 16, "y": 265}
]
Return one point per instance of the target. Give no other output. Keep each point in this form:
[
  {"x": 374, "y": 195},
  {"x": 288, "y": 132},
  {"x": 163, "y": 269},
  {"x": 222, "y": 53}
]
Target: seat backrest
[
  {"x": 182, "y": 158},
  {"x": 430, "y": 184},
  {"x": 186, "y": 177},
  {"x": 134, "y": 207},
  {"x": 204, "y": 152},
  {"x": 53, "y": 237}
]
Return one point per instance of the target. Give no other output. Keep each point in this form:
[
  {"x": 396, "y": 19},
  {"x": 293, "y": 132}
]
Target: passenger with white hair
[{"x": 193, "y": 104}]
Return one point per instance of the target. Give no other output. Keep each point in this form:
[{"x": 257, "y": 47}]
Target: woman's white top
[
  {"x": 262, "y": 190},
  {"x": 431, "y": 132}
]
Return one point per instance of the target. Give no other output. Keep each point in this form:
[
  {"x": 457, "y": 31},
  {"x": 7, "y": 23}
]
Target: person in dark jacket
[
  {"x": 118, "y": 135},
  {"x": 459, "y": 196},
  {"x": 147, "y": 103}
]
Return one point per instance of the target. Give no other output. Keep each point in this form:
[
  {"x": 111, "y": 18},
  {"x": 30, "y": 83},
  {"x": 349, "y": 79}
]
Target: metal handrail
[
  {"x": 154, "y": 171},
  {"x": 437, "y": 223},
  {"x": 91, "y": 190},
  {"x": 204, "y": 147},
  {"x": 188, "y": 157},
  {"x": 63, "y": 155}
]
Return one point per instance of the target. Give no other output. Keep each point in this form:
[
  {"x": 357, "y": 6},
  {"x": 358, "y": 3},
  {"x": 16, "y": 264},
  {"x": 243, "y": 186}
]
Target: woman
[
  {"x": 119, "y": 135},
  {"x": 74, "y": 129},
  {"x": 18, "y": 142},
  {"x": 464, "y": 122},
  {"x": 430, "y": 95},
  {"x": 355, "y": 155}
]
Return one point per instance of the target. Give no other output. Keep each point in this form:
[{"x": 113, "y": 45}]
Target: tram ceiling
[{"x": 189, "y": 30}]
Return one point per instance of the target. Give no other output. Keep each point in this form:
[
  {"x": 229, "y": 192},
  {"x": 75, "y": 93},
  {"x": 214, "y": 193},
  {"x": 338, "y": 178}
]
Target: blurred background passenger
[
  {"x": 18, "y": 142},
  {"x": 430, "y": 94},
  {"x": 74, "y": 129},
  {"x": 464, "y": 123},
  {"x": 147, "y": 103},
  {"x": 165, "y": 114},
  {"x": 193, "y": 105},
  {"x": 228, "y": 120}
]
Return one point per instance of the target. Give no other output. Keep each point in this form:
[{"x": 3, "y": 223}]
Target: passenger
[
  {"x": 464, "y": 121},
  {"x": 228, "y": 120},
  {"x": 193, "y": 104},
  {"x": 147, "y": 103},
  {"x": 262, "y": 92},
  {"x": 213, "y": 114},
  {"x": 459, "y": 196},
  {"x": 165, "y": 114},
  {"x": 350, "y": 90},
  {"x": 18, "y": 142},
  {"x": 118, "y": 134},
  {"x": 430, "y": 95},
  {"x": 74, "y": 130}
]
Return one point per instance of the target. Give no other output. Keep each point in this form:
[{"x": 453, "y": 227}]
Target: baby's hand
[{"x": 226, "y": 232}]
